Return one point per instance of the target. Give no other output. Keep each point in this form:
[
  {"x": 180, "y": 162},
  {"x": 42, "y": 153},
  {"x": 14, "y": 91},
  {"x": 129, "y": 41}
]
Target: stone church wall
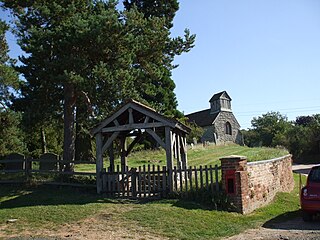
[{"x": 220, "y": 127}]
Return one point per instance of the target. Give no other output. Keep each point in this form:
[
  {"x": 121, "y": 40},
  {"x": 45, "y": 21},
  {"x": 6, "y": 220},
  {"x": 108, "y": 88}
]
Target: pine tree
[
  {"x": 8, "y": 76},
  {"x": 158, "y": 79},
  {"x": 86, "y": 57},
  {"x": 11, "y": 139}
]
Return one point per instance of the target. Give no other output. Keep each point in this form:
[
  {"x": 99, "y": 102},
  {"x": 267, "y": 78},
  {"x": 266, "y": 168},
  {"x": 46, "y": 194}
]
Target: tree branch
[{"x": 88, "y": 102}]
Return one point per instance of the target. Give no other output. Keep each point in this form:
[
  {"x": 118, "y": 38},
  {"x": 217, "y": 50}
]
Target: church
[{"x": 219, "y": 124}]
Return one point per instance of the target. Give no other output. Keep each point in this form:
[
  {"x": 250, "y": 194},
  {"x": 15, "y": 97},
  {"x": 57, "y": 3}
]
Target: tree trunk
[
  {"x": 43, "y": 141},
  {"x": 69, "y": 122}
]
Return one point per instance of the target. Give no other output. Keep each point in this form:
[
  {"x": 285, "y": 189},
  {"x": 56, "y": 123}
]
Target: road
[{"x": 293, "y": 229}]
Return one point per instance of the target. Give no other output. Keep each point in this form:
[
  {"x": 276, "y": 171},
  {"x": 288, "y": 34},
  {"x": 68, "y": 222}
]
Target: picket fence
[
  {"x": 154, "y": 181},
  {"x": 147, "y": 181}
]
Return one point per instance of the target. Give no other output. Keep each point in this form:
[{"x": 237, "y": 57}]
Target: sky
[{"x": 264, "y": 53}]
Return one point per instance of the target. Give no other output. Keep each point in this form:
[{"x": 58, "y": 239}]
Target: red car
[{"x": 310, "y": 195}]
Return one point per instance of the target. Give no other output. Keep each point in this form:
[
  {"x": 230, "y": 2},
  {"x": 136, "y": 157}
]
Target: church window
[{"x": 228, "y": 128}]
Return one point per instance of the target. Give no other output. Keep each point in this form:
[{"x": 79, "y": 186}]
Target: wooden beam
[
  {"x": 131, "y": 121},
  {"x": 99, "y": 162},
  {"x": 169, "y": 156},
  {"x": 156, "y": 137},
  {"x": 135, "y": 141},
  {"x": 173, "y": 139},
  {"x": 184, "y": 156},
  {"x": 146, "y": 120},
  {"x": 116, "y": 122},
  {"x": 110, "y": 119},
  {"x": 133, "y": 126},
  {"x": 178, "y": 150},
  {"x": 111, "y": 157},
  {"x": 109, "y": 141},
  {"x": 147, "y": 112},
  {"x": 123, "y": 151}
]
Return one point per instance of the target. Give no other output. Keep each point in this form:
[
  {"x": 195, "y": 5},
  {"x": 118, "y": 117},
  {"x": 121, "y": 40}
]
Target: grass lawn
[
  {"x": 197, "y": 156},
  {"x": 49, "y": 208}
]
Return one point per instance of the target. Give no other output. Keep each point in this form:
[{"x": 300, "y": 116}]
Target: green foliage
[
  {"x": 53, "y": 134},
  {"x": 300, "y": 137},
  {"x": 271, "y": 129},
  {"x": 8, "y": 76},
  {"x": 89, "y": 56},
  {"x": 159, "y": 8},
  {"x": 208, "y": 199},
  {"x": 12, "y": 137},
  {"x": 303, "y": 138},
  {"x": 157, "y": 80},
  {"x": 196, "y": 131}
]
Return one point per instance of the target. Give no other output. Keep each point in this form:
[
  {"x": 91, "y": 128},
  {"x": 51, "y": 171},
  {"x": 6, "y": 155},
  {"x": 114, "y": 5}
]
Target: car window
[{"x": 314, "y": 175}]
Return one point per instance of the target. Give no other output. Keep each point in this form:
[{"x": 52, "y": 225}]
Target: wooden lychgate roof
[{"x": 134, "y": 115}]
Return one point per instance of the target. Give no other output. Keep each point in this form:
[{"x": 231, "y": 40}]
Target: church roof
[
  {"x": 219, "y": 95},
  {"x": 202, "y": 118}
]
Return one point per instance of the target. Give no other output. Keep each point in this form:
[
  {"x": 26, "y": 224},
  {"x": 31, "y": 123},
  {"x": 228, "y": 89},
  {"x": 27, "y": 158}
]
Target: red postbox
[{"x": 230, "y": 180}]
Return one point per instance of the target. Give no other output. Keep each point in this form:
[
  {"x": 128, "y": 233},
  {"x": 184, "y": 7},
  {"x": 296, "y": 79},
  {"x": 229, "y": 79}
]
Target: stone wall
[
  {"x": 208, "y": 134},
  {"x": 220, "y": 128},
  {"x": 256, "y": 183}
]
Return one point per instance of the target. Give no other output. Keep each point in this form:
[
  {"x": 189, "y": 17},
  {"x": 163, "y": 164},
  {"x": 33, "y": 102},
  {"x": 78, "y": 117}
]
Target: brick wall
[{"x": 256, "y": 183}]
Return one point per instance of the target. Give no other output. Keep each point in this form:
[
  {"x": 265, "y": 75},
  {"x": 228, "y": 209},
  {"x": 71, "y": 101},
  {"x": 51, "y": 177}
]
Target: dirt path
[
  {"x": 102, "y": 226},
  {"x": 295, "y": 229}
]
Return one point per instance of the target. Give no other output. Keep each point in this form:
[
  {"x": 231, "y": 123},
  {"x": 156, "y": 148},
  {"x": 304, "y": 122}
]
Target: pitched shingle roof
[
  {"x": 218, "y": 95},
  {"x": 202, "y": 118}
]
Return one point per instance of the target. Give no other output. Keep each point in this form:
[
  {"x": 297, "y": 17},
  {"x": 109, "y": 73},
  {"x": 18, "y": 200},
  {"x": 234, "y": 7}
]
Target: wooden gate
[
  {"x": 153, "y": 181},
  {"x": 139, "y": 182}
]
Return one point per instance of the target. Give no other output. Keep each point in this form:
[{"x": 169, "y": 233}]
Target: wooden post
[
  {"x": 216, "y": 173},
  {"x": 123, "y": 154},
  {"x": 164, "y": 182},
  {"x": 178, "y": 150},
  {"x": 169, "y": 156},
  {"x": 111, "y": 158},
  {"x": 27, "y": 169},
  {"x": 99, "y": 162},
  {"x": 184, "y": 157},
  {"x": 134, "y": 182}
]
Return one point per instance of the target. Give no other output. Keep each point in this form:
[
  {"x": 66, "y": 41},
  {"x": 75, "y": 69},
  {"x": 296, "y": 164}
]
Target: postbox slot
[
  {"x": 230, "y": 180},
  {"x": 230, "y": 185}
]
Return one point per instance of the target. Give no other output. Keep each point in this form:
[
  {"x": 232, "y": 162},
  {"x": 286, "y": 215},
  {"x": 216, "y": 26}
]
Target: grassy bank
[
  {"x": 50, "y": 208},
  {"x": 197, "y": 156}
]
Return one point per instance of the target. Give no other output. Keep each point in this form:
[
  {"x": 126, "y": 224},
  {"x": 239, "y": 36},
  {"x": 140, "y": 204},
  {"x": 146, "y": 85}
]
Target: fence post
[
  {"x": 134, "y": 182},
  {"x": 26, "y": 168},
  {"x": 99, "y": 162},
  {"x": 216, "y": 172},
  {"x": 164, "y": 181}
]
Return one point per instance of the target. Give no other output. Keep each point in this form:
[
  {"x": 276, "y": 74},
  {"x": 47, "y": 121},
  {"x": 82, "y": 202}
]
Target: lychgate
[{"x": 137, "y": 121}]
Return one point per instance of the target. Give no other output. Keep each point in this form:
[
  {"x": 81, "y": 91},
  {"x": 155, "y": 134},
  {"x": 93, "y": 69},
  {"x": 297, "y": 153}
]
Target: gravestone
[
  {"x": 17, "y": 163},
  {"x": 48, "y": 161}
]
